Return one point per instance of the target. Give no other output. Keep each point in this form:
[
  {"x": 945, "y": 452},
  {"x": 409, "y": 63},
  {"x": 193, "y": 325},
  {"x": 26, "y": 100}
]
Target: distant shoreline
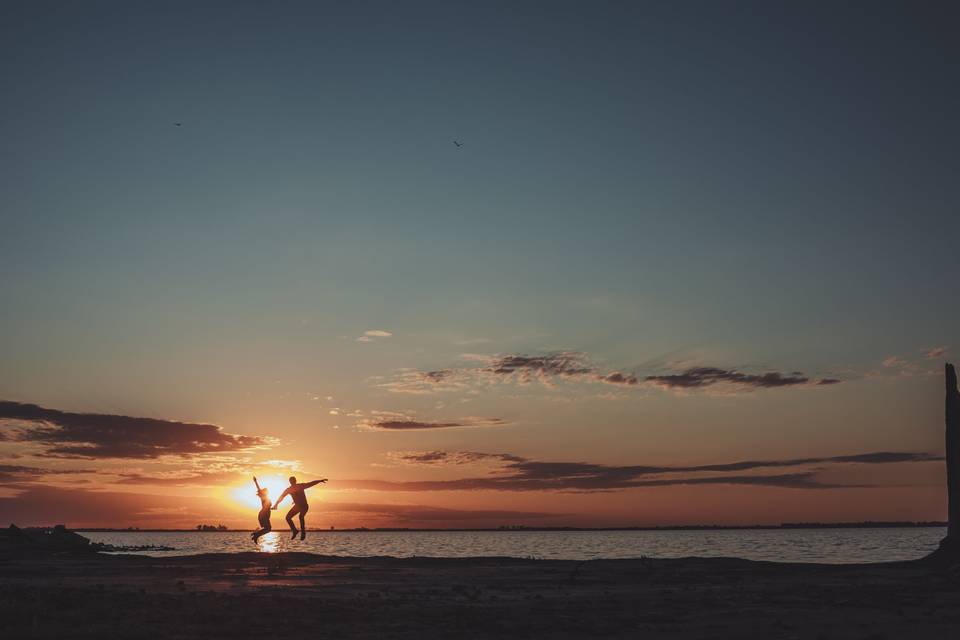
[{"x": 783, "y": 526}]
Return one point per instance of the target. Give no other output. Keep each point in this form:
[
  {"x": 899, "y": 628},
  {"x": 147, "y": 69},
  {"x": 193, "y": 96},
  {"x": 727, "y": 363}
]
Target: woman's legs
[{"x": 264, "y": 519}]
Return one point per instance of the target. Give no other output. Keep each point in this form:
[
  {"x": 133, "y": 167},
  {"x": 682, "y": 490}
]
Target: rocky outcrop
[{"x": 56, "y": 539}]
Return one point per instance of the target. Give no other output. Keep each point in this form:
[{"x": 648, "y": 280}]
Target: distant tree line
[{"x": 210, "y": 527}]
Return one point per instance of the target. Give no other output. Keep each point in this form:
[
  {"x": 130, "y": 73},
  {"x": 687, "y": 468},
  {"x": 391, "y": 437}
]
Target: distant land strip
[{"x": 510, "y": 528}]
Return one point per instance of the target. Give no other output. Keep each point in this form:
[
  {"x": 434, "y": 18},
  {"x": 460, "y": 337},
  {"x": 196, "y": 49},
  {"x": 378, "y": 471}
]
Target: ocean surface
[{"x": 832, "y": 546}]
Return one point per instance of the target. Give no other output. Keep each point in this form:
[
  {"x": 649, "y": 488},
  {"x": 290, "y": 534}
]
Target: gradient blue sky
[{"x": 655, "y": 186}]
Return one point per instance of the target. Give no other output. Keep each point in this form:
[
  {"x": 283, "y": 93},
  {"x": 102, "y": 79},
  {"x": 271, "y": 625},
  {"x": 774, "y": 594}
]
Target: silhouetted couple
[{"x": 297, "y": 492}]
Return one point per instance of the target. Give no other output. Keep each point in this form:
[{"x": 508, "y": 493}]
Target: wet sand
[{"x": 88, "y": 595}]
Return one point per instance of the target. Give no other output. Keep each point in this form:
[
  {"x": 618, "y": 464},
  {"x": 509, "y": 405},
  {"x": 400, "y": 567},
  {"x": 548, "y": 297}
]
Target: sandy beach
[{"x": 80, "y": 595}]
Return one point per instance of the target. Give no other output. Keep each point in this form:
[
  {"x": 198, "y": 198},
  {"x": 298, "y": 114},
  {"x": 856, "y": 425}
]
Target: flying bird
[
  {"x": 177, "y": 124},
  {"x": 459, "y": 144}
]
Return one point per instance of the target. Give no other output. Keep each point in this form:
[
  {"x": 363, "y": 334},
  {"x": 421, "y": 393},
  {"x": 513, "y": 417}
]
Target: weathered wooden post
[
  {"x": 952, "y": 415},
  {"x": 950, "y": 546}
]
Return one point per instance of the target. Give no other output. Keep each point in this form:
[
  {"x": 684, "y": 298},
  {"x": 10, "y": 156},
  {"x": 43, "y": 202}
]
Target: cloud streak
[
  {"x": 936, "y": 352},
  {"x": 91, "y": 435},
  {"x": 573, "y": 366},
  {"x": 373, "y": 334},
  {"x": 700, "y": 377},
  {"x": 515, "y": 473},
  {"x": 570, "y": 365},
  {"x": 520, "y": 369},
  {"x": 449, "y": 458},
  {"x": 408, "y": 514},
  {"x": 179, "y": 478},
  {"x": 18, "y": 473},
  {"x": 401, "y": 423}
]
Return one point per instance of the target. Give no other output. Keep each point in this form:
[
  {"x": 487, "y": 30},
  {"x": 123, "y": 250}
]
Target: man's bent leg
[
  {"x": 303, "y": 524},
  {"x": 293, "y": 529}
]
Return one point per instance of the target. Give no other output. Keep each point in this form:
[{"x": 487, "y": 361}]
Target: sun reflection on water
[{"x": 269, "y": 543}]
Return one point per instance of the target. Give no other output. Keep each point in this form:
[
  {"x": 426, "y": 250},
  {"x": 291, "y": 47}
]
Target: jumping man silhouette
[{"x": 298, "y": 493}]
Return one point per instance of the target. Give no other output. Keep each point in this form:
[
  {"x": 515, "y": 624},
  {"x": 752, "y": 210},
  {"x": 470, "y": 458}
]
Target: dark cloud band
[
  {"x": 418, "y": 425},
  {"x": 90, "y": 435},
  {"x": 699, "y": 377}
]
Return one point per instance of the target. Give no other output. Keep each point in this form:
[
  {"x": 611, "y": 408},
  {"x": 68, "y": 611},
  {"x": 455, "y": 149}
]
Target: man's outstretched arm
[
  {"x": 307, "y": 485},
  {"x": 283, "y": 495}
]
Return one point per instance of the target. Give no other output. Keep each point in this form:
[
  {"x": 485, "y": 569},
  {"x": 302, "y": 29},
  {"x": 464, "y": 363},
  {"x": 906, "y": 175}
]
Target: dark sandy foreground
[{"x": 249, "y": 595}]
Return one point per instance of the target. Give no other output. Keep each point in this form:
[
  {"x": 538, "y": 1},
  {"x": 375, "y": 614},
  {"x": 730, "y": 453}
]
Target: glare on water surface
[{"x": 269, "y": 543}]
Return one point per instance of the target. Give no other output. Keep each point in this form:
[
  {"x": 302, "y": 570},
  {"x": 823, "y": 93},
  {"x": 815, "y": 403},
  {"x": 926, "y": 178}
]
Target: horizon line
[{"x": 865, "y": 524}]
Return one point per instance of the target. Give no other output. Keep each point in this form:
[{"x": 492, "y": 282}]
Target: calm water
[{"x": 811, "y": 545}]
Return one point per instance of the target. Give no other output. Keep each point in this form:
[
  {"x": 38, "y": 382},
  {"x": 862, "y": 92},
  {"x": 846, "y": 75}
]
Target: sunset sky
[{"x": 695, "y": 262}]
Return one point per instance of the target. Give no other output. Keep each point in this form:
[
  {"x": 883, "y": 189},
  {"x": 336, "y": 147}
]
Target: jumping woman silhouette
[{"x": 264, "y": 515}]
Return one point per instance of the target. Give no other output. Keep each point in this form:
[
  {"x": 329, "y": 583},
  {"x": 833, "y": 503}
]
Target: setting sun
[{"x": 246, "y": 495}]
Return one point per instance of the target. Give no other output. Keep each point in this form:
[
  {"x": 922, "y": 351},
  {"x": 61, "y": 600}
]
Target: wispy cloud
[
  {"x": 399, "y": 422},
  {"x": 618, "y": 378},
  {"x": 91, "y": 435},
  {"x": 936, "y": 352},
  {"x": 573, "y": 366},
  {"x": 179, "y": 478},
  {"x": 18, "y": 473},
  {"x": 282, "y": 464},
  {"x": 516, "y": 473},
  {"x": 565, "y": 363},
  {"x": 449, "y": 458},
  {"x": 519, "y": 369},
  {"x": 902, "y": 367},
  {"x": 700, "y": 377},
  {"x": 569, "y": 365},
  {"x": 373, "y": 334},
  {"x": 426, "y": 382},
  {"x": 422, "y": 515},
  {"x": 203, "y": 472}
]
